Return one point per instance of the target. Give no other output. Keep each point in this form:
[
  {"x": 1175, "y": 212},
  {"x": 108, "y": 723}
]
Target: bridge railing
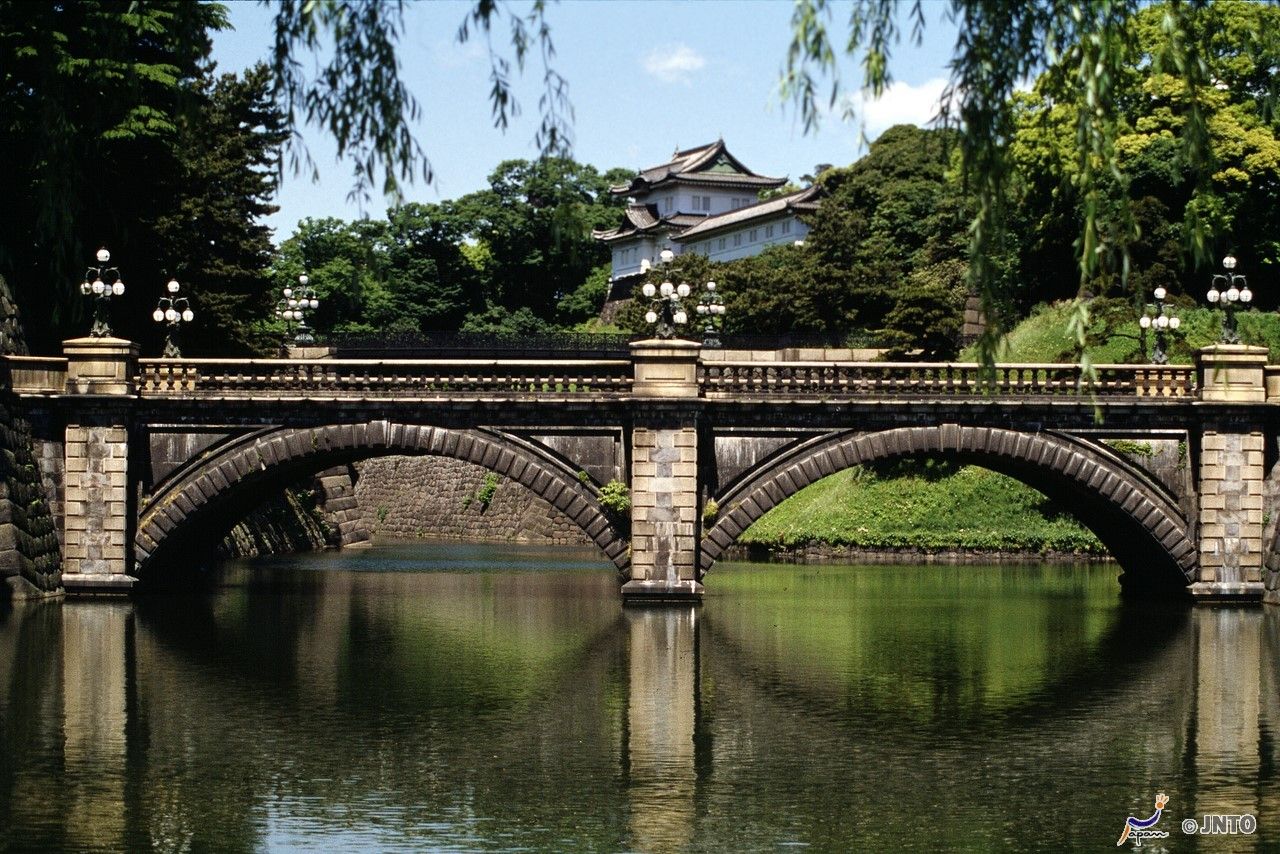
[
  {"x": 34, "y": 374},
  {"x": 396, "y": 378},
  {"x": 940, "y": 379}
]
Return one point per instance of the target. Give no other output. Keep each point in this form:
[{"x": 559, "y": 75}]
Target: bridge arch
[
  {"x": 1135, "y": 518},
  {"x": 195, "y": 501}
]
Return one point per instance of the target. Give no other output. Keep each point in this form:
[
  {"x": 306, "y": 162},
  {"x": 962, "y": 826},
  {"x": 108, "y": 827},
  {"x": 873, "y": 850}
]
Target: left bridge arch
[{"x": 195, "y": 503}]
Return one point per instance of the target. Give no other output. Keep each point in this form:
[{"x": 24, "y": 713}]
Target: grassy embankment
[
  {"x": 916, "y": 506},
  {"x": 936, "y": 508}
]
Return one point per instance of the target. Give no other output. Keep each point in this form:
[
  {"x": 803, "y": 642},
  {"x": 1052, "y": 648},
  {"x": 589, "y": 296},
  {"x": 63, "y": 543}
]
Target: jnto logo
[{"x": 1139, "y": 829}]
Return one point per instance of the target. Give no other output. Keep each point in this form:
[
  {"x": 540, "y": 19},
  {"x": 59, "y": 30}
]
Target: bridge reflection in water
[{"x": 882, "y": 708}]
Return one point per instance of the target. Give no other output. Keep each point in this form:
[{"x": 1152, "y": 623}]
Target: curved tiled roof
[
  {"x": 641, "y": 218},
  {"x": 804, "y": 200},
  {"x": 692, "y": 165}
]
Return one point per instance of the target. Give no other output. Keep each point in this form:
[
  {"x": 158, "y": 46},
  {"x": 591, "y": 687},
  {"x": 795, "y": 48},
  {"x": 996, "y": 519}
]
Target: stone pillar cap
[
  {"x": 1248, "y": 352},
  {"x": 666, "y": 344},
  {"x": 89, "y": 344}
]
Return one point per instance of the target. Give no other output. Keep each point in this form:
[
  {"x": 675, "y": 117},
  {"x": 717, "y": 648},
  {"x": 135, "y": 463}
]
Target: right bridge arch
[{"x": 1138, "y": 521}]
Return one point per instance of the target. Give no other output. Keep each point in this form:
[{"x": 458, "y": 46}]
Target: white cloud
[
  {"x": 449, "y": 54},
  {"x": 673, "y": 63},
  {"x": 901, "y": 103}
]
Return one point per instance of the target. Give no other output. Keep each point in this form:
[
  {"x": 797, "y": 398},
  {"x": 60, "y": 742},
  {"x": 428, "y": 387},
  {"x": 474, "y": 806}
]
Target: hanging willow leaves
[
  {"x": 358, "y": 96},
  {"x": 360, "y": 99},
  {"x": 1084, "y": 47}
]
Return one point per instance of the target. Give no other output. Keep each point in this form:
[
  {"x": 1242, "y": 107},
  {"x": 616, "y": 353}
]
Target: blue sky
[{"x": 644, "y": 77}]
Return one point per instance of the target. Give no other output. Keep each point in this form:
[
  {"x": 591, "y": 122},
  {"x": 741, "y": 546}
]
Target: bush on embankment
[{"x": 921, "y": 505}]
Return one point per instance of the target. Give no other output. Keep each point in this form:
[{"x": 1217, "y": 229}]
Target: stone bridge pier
[
  {"x": 99, "y": 510},
  {"x": 664, "y": 474}
]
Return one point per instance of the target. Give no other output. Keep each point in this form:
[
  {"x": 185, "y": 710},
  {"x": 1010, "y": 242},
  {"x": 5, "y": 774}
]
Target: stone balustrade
[
  {"x": 398, "y": 378},
  {"x": 933, "y": 379},
  {"x": 715, "y": 378}
]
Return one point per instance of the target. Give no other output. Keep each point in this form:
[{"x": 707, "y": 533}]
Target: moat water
[{"x": 455, "y": 698}]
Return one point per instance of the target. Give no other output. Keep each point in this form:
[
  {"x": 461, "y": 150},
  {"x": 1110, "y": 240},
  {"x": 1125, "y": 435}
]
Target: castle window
[
  {"x": 786, "y": 226},
  {"x": 768, "y": 231},
  {"x": 722, "y": 244},
  {"x": 752, "y": 236},
  {"x": 737, "y": 239}
]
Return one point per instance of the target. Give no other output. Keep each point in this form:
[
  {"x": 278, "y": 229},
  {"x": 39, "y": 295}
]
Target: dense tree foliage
[
  {"x": 118, "y": 134},
  {"x": 404, "y": 274},
  {"x": 121, "y": 135},
  {"x": 1092, "y": 48},
  {"x": 535, "y": 221},
  {"x": 1161, "y": 201},
  {"x": 517, "y": 256},
  {"x": 213, "y": 238},
  {"x": 94, "y": 94}
]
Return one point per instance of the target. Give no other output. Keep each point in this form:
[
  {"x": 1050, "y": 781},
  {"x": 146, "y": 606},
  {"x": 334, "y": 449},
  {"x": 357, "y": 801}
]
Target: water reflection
[
  {"x": 661, "y": 724},
  {"x": 520, "y": 707}
]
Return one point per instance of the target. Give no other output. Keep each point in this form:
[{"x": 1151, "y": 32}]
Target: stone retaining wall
[
  {"x": 30, "y": 557},
  {"x": 408, "y": 497},
  {"x": 285, "y": 524},
  {"x": 823, "y": 553}
]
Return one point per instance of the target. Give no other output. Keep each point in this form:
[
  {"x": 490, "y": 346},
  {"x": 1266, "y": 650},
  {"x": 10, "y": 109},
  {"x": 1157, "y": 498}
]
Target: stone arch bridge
[{"x": 146, "y": 460}]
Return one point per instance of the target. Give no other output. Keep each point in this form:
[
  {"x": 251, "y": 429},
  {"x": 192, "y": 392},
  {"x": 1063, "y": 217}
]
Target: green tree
[
  {"x": 582, "y": 305},
  {"x": 434, "y": 285},
  {"x": 1001, "y": 44},
  {"x": 213, "y": 239},
  {"x": 347, "y": 266},
  {"x": 535, "y": 222},
  {"x": 888, "y": 239},
  {"x": 1163, "y": 202},
  {"x": 99, "y": 97},
  {"x": 94, "y": 95}
]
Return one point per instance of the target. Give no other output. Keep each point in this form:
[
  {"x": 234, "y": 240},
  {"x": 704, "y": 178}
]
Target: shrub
[
  {"x": 488, "y": 489},
  {"x": 710, "y": 511},
  {"x": 1131, "y": 448},
  {"x": 616, "y": 498}
]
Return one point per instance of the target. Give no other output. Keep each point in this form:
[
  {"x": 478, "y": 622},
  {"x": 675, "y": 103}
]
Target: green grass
[
  {"x": 1114, "y": 338},
  {"x": 930, "y": 507}
]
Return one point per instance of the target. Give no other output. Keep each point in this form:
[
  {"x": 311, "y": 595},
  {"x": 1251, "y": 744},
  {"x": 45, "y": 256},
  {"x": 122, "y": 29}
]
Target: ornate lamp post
[
  {"x": 174, "y": 311},
  {"x": 711, "y": 307},
  {"x": 102, "y": 283},
  {"x": 665, "y": 311},
  {"x": 293, "y": 308},
  {"x": 1158, "y": 317},
  {"x": 1228, "y": 289}
]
